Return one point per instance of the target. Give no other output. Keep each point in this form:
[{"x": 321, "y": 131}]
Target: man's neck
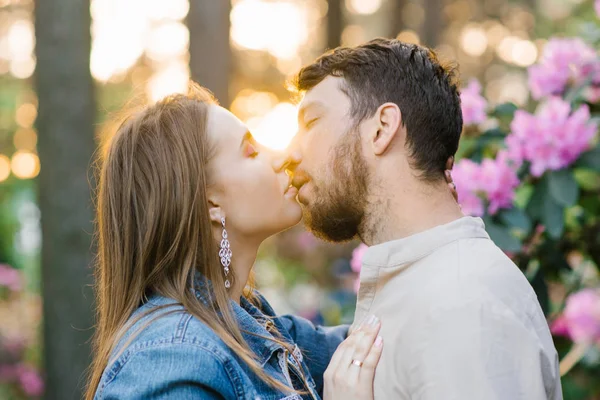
[{"x": 402, "y": 211}]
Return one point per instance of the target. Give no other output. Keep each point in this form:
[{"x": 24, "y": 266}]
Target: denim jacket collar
[{"x": 252, "y": 321}]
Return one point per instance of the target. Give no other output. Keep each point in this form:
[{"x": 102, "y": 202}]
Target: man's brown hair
[{"x": 411, "y": 76}]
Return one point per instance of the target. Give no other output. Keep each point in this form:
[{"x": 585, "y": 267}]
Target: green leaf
[
  {"x": 541, "y": 290},
  {"x": 516, "y": 218},
  {"x": 465, "y": 148},
  {"x": 505, "y": 110},
  {"x": 587, "y": 179},
  {"x": 590, "y": 159},
  {"x": 502, "y": 236},
  {"x": 553, "y": 217},
  {"x": 563, "y": 187},
  {"x": 537, "y": 199},
  {"x": 591, "y": 204},
  {"x": 543, "y": 207}
]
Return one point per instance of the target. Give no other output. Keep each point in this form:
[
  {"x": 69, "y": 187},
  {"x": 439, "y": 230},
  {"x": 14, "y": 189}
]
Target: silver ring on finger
[{"x": 357, "y": 363}]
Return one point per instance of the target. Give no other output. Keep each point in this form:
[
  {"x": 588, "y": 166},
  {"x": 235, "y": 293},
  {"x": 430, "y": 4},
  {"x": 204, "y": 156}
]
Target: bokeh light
[
  {"x": 353, "y": 35},
  {"x": 409, "y": 36},
  {"x": 25, "y": 139},
  {"x": 250, "y": 104},
  {"x": 167, "y": 41},
  {"x": 473, "y": 40},
  {"x": 21, "y": 40},
  {"x": 159, "y": 10},
  {"x": 25, "y": 165},
  {"x": 119, "y": 32},
  {"x": 524, "y": 53},
  {"x": 25, "y": 115},
  {"x": 171, "y": 78},
  {"x": 364, "y": 7},
  {"x": 279, "y": 28},
  {"x": 277, "y": 128},
  {"x": 4, "y": 167}
]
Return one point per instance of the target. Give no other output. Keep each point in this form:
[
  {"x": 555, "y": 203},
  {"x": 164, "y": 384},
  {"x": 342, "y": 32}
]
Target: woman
[{"x": 185, "y": 198}]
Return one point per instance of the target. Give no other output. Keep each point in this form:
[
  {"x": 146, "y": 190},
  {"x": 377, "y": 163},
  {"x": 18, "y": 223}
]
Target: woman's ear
[{"x": 215, "y": 212}]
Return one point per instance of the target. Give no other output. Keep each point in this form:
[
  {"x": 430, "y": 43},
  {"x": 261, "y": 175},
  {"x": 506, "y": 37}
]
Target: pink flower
[
  {"x": 473, "y": 104},
  {"x": 563, "y": 61},
  {"x": 466, "y": 175},
  {"x": 10, "y": 277},
  {"x": 560, "y": 327},
  {"x": 551, "y": 139},
  {"x": 597, "y": 7},
  {"x": 31, "y": 382},
  {"x": 357, "y": 256},
  {"x": 582, "y": 316},
  {"x": 499, "y": 181},
  {"x": 494, "y": 180},
  {"x": 8, "y": 373}
]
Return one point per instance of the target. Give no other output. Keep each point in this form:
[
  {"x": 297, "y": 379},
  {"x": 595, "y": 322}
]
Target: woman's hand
[{"x": 352, "y": 368}]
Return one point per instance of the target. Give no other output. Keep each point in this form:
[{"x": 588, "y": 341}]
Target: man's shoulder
[
  {"x": 470, "y": 265},
  {"x": 472, "y": 272}
]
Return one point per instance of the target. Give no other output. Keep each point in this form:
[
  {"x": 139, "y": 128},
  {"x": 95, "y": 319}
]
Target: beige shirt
[{"x": 459, "y": 319}]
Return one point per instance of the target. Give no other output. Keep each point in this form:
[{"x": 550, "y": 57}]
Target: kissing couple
[{"x": 186, "y": 196}]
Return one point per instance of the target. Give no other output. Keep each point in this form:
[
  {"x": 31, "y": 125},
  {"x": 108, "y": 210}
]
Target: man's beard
[{"x": 339, "y": 206}]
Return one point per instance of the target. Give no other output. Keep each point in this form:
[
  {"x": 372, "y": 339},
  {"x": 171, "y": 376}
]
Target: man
[{"x": 459, "y": 320}]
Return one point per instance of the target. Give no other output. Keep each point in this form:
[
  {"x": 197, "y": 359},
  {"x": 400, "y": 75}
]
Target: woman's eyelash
[
  {"x": 251, "y": 150},
  {"x": 311, "y": 122}
]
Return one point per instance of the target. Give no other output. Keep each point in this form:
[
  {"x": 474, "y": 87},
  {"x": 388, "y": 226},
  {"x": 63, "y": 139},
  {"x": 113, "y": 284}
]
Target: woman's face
[{"x": 256, "y": 200}]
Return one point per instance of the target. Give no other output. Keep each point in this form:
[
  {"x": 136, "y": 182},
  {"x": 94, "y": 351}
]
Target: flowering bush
[
  {"x": 534, "y": 177},
  {"x": 18, "y": 379},
  {"x": 535, "y": 180}
]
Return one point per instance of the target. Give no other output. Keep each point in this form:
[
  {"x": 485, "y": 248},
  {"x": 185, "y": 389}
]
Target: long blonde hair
[{"x": 154, "y": 232}]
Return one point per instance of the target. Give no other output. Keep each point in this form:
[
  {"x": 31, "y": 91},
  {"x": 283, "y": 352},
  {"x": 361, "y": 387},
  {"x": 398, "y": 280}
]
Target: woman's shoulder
[
  {"x": 167, "y": 344},
  {"x": 162, "y": 321}
]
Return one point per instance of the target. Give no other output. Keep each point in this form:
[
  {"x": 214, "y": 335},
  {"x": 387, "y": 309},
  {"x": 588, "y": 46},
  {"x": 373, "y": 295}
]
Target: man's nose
[{"x": 290, "y": 160}]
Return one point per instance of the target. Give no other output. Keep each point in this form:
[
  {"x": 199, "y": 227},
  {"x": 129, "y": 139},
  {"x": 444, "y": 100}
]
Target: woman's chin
[{"x": 292, "y": 216}]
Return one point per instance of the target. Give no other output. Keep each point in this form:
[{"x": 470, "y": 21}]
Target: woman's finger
[
  {"x": 345, "y": 347},
  {"x": 362, "y": 348},
  {"x": 367, "y": 372}
]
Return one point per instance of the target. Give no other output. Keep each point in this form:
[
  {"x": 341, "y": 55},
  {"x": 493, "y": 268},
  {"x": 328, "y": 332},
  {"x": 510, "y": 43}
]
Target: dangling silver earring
[{"x": 225, "y": 254}]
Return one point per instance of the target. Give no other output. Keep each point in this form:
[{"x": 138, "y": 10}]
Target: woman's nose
[{"x": 289, "y": 160}]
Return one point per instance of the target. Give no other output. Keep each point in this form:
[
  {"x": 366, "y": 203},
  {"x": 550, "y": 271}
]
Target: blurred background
[{"x": 67, "y": 65}]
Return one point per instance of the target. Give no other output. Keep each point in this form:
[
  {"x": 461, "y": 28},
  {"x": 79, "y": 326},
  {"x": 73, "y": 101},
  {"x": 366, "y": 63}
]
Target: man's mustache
[{"x": 300, "y": 177}]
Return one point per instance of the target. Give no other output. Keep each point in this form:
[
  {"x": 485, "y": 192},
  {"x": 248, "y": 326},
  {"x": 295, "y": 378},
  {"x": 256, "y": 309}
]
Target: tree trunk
[
  {"x": 335, "y": 23},
  {"x": 433, "y": 25},
  {"x": 66, "y": 145},
  {"x": 396, "y": 23},
  {"x": 210, "y": 53}
]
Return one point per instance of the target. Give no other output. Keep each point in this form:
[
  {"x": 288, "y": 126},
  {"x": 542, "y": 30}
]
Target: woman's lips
[{"x": 291, "y": 192}]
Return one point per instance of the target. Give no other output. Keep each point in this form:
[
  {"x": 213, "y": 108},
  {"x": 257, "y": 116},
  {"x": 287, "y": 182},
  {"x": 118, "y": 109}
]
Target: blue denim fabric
[{"x": 177, "y": 356}]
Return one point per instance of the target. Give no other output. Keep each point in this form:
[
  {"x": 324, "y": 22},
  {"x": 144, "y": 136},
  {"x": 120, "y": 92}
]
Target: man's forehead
[{"x": 324, "y": 93}]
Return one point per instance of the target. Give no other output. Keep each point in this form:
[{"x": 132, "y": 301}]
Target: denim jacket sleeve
[
  {"x": 317, "y": 343},
  {"x": 157, "y": 372}
]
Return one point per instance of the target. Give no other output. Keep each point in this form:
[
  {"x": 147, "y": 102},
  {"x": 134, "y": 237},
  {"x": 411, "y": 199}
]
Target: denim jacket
[{"x": 179, "y": 357}]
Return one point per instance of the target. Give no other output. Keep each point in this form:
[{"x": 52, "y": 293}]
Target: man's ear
[{"x": 389, "y": 121}]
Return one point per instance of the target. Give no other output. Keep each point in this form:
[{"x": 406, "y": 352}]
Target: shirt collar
[{"x": 412, "y": 248}]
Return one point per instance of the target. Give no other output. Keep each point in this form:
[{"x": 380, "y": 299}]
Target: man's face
[{"x": 333, "y": 174}]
